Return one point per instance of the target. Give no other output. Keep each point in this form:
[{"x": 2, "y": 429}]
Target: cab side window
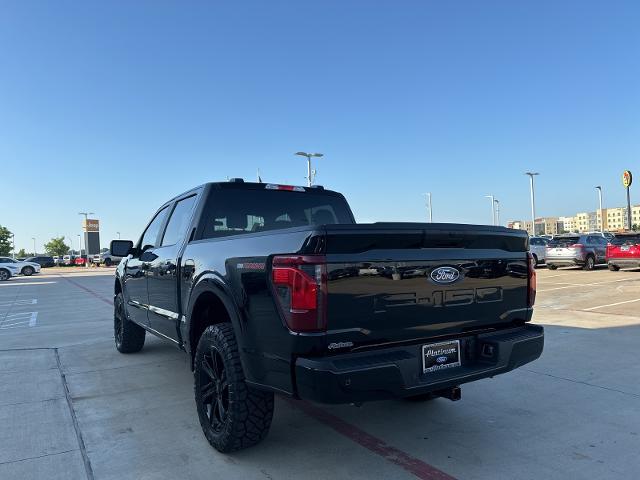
[
  {"x": 150, "y": 236},
  {"x": 179, "y": 221}
]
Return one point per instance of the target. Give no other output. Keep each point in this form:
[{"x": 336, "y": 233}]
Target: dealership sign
[
  {"x": 627, "y": 178},
  {"x": 91, "y": 225}
]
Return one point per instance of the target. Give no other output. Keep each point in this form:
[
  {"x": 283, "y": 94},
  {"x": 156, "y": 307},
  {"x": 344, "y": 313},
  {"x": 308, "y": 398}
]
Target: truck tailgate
[{"x": 389, "y": 283}]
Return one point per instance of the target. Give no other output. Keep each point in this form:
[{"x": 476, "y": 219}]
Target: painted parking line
[
  {"x": 611, "y": 305},
  {"x": 22, "y": 319},
  {"x": 594, "y": 284},
  {"x": 16, "y": 303},
  {"x": 15, "y": 284}
]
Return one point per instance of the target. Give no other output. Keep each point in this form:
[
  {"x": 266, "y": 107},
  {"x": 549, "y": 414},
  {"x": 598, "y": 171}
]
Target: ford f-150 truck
[{"x": 276, "y": 289}]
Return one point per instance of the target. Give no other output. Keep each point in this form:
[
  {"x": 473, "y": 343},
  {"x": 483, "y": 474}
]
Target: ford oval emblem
[
  {"x": 444, "y": 275},
  {"x": 441, "y": 359}
]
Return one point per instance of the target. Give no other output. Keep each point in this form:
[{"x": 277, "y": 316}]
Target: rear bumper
[
  {"x": 397, "y": 372},
  {"x": 624, "y": 262},
  {"x": 565, "y": 261}
]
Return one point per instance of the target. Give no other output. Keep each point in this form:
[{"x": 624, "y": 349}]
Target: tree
[
  {"x": 56, "y": 247},
  {"x": 5, "y": 243},
  {"x": 21, "y": 253}
]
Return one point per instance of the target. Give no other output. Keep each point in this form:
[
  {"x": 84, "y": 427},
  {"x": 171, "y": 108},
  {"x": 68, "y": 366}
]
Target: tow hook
[{"x": 454, "y": 393}]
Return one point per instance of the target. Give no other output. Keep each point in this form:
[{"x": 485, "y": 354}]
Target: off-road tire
[
  {"x": 128, "y": 336},
  {"x": 552, "y": 267},
  {"x": 232, "y": 414},
  {"x": 613, "y": 268},
  {"x": 27, "y": 271},
  {"x": 4, "y": 274},
  {"x": 589, "y": 262},
  {"x": 107, "y": 262}
]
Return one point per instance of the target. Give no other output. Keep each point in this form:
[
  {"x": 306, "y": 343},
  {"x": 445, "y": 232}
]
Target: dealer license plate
[{"x": 438, "y": 356}]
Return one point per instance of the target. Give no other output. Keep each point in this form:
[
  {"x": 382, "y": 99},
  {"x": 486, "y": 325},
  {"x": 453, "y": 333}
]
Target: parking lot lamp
[
  {"x": 310, "y": 173},
  {"x": 493, "y": 209},
  {"x": 599, "y": 188},
  {"x": 533, "y": 202},
  {"x": 13, "y": 245},
  {"x": 497, "y": 202},
  {"x": 118, "y": 233},
  {"x": 34, "y": 245},
  {"x": 429, "y": 206}
]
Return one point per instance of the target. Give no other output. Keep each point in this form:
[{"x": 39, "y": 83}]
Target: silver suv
[{"x": 586, "y": 250}]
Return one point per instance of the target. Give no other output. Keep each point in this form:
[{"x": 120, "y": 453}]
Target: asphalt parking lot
[{"x": 72, "y": 407}]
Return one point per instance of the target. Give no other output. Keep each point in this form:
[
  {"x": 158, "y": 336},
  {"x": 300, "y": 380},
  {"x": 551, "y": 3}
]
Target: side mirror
[{"x": 121, "y": 248}]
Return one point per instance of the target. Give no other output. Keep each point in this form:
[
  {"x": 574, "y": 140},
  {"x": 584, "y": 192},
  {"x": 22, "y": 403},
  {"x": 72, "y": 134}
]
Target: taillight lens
[
  {"x": 299, "y": 284},
  {"x": 532, "y": 281}
]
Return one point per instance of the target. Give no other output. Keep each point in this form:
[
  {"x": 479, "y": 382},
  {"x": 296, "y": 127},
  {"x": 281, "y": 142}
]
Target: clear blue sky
[{"x": 114, "y": 107}]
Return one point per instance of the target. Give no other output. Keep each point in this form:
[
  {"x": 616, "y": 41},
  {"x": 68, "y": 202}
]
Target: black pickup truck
[{"x": 275, "y": 288}]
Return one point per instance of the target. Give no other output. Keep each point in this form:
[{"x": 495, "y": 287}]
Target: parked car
[
  {"x": 623, "y": 251},
  {"x": 68, "y": 259},
  {"x": 106, "y": 258},
  {"x": 43, "y": 261},
  {"x": 58, "y": 260},
  {"x": 81, "y": 260},
  {"x": 537, "y": 247},
  {"x": 8, "y": 270},
  {"x": 241, "y": 277},
  {"x": 585, "y": 250},
  {"x": 23, "y": 268}
]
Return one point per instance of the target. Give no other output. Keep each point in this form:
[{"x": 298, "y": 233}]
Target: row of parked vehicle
[
  {"x": 105, "y": 258},
  {"x": 10, "y": 267},
  {"x": 587, "y": 250}
]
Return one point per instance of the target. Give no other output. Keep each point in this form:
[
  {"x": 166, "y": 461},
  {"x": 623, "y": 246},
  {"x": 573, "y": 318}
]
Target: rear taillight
[
  {"x": 299, "y": 284},
  {"x": 577, "y": 245},
  {"x": 532, "y": 281}
]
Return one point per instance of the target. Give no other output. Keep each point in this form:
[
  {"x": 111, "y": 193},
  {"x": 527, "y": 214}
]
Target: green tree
[
  {"x": 5, "y": 241},
  {"x": 21, "y": 253},
  {"x": 56, "y": 246}
]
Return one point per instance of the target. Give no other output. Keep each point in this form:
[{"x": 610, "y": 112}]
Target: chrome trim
[
  {"x": 155, "y": 332},
  {"x": 162, "y": 312}
]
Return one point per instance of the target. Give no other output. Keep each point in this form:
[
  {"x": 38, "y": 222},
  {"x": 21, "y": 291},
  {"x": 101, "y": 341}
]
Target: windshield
[
  {"x": 625, "y": 240},
  {"x": 563, "y": 241},
  {"x": 232, "y": 212}
]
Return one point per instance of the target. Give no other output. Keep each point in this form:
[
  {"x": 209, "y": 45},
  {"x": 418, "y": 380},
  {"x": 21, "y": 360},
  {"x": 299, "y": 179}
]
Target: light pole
[
  {"x": 79, "y": 245},
  {"x": 118, "y": 233},
  {"x": 533, "y": 202},
  {"x": 497, "y": 202},
  {"x": 86, "y": 237},
  {"x": 429, "y": 206},
  {"x": 34, "y": 246},
  {"x": 13, "y": 245},
  {"x": 310, "y": 173},
  {"x": 599, "y": 188},
  {"x": 493, "y": 210}
]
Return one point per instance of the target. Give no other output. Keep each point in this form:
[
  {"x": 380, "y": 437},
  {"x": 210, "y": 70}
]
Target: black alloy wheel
[{"x": 214, "y": 389}]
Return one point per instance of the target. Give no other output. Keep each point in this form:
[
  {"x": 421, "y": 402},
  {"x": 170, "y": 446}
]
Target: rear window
[
  {"x": 563, "y": 241},
  {"x": 233, "y": 212},
  {"x": 625, "y": 240}
]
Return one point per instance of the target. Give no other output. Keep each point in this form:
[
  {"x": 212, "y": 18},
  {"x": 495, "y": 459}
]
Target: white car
[
  {"x": 16, "y": 267},
  {"x": 538, "y": 248}
]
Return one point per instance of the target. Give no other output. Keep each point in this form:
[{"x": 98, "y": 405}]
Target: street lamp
[
  {"x": 497, "y": 202},
  {"x": 429, "y": 206},
  {"x": 310, "y": 173},
  {"x": 533, "y": 202},
  {"x": 118, "y": 233},
  {"x": 86, "y": 238},
  {"x": 599, "y": 188},
  {"x": 13, "y": 245},
  {"x": 34, "y": 246},
  {"x": 493, "y": 210},
  {"x": 79, "y": 245}
]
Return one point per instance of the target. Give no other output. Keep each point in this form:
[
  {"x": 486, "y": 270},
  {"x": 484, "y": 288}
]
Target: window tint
[
  {"x": 150, "y": 235},
  {"x": 179, "y": 221},
  {"x": 563, "y": 241},
  {"x": 235, "y": 211},
  {"x": 626, "y": 240}
]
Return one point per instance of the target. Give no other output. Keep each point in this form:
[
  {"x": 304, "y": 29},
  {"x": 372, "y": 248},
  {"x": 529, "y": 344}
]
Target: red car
[
  {"x": 623, "y": 251},
  {"x": 80, "y": 260}
]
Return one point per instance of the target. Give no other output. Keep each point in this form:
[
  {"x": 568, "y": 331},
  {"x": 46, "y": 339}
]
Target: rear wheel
[
  {"x": 107, "y": 262},
  {"x": 128, "y": 336},
  {"x": 4, "y": 274},
  {"x": 27, "y": 271},
  {"x": 232, "y": 414},
  {"x": 589, "y": 263},
  {"x": 614, "y": 268},
  {"x": 552, "y": 267},
  {"x": 535, "y": 259}
]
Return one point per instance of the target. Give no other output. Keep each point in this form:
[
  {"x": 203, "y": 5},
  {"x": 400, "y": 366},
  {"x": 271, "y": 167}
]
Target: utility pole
[
  {"x": 599, "y": 188},
  {"x": 310, "y": 172},
  {"x": 493, "y": 210},
  {"x": 34, "y": 246},
  {"x": 533, "y": 202},
  {"x": 86, "y": 237},
  {"x": 497, "y": 202},
  {"x": 429, "y": 206}
]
